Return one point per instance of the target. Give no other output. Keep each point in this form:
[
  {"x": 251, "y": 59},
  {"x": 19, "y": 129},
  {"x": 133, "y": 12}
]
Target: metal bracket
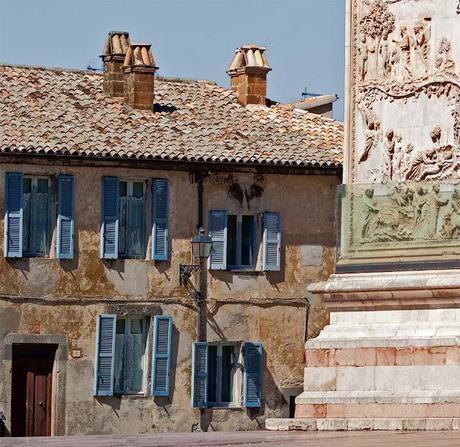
[{"x": 185, "y": 272}]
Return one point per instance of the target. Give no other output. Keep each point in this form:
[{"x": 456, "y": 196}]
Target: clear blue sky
[{"x": 190, "y": 38}]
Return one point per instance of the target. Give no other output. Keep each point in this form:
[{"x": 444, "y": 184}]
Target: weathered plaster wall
[{"x": 57, "y": 297}]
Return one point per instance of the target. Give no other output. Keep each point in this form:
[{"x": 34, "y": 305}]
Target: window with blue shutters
[
  {"x": 161, "y": 355},
  {"x": 13, "y": 215},
  {"x": 65, "y": 226},
  {"x": 104, "y": 356},
  {"x": 252, "y": 358},
  {"x": 271, "y": 241},
  {"x": 123, "y": 219},
  {"x": 160, "y": 221}
]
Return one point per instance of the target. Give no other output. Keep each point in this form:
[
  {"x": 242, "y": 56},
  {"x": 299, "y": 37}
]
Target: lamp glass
[{"x": 201, "y": 245}]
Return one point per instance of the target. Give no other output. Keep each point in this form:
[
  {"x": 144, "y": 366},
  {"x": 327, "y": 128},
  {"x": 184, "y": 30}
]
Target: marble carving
[{"x": 406, "y": 56}]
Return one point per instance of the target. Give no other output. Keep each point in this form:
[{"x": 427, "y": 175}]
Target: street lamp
[
  {"x": 201, "y": 249},
  {"x": 201, "y": 245}
]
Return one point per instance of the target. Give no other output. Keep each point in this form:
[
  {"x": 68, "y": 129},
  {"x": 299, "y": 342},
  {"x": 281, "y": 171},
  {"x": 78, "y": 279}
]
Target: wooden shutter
[
  {"x": 65, "y": 219},
  {"x": 109, "y": 225},
  {"x": 160, "y": 210},
  {"x": 13, "y": 215},
  {"x": 104, "y": 359},
  {"x": 200, "y": 375},
  {"x": 272, "y": 242},
  {"x": 252, "y": 357},
  {"x": 161, "y": 355},
  {"x": 217, "y": 227}
]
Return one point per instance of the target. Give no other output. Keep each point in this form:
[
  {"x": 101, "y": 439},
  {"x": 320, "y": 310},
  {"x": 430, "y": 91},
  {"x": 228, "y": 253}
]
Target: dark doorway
[{"x": 32, "y": 389}]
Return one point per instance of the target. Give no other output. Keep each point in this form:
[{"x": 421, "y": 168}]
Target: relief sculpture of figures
[
  {"x": 444, "y": 61},
  {"x": 372, "y": 133},
  {"x": 422, "y": 35},
  {"x": 451, "y": 224},
  {"x": 370, "y": 213}
]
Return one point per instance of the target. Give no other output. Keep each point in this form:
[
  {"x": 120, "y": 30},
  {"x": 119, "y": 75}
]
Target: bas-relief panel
[
  {"x": 406, "y": 71},
  {"x": 394, "y": 218}
]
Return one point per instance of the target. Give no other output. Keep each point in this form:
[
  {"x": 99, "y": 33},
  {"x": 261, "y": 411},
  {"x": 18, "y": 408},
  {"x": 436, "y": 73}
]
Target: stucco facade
[{"x": 57, "y": 301}]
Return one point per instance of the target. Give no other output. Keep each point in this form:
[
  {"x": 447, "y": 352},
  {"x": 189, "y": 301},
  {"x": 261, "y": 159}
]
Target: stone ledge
[{"x": 360, "y": 424}]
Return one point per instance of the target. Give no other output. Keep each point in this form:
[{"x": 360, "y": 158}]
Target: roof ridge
[{"x": 42, "y": 67}]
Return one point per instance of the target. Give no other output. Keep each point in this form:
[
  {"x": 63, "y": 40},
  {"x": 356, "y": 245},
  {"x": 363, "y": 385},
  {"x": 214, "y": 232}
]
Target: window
[
  {"x": 130, "y": 344},
  {"x": 241, "y": 241},
  {"x": 238, "y": 239},
  {"x": 123, "y": 219},
  {"x": 216, "y": 376},
  {"x": 131, "y": 214},
  {"x": 121, "y": 355},
  {"x": 28, "y": 216},
  {"x": 36, "y": 216},
  {"x": 222, "y": 362}
]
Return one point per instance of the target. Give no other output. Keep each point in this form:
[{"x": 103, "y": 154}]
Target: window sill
[
  {"x": 229, "y": 407},
  {"x": 240, "y": 271},
  {"x": 127, "y": 396}
]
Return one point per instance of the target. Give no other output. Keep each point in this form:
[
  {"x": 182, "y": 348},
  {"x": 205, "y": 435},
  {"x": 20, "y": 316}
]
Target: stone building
[
  {"x": 105, "y": 178},
  {"x": 390, "y": 358}
]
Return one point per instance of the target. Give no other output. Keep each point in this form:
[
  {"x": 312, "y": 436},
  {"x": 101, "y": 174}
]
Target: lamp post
[{"x": 201, "y": 249}]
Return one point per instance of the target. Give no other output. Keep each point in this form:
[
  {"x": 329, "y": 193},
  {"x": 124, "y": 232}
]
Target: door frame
[{"x": 59, "y": 376}]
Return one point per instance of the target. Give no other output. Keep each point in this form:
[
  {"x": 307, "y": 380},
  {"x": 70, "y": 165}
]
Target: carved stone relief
[
  {"x": 405, "y": 59},
  {"x": 402, "y": 217}
]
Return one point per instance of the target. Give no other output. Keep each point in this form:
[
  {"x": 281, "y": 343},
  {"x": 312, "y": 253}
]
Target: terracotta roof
[{"x": 64, "y": 112}]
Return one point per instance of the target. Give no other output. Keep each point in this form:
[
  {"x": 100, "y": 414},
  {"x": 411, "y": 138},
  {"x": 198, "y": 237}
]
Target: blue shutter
[
  {"x": 200, "y": 375},
  {"x": 109, "y": 226},
  {"x": 13, "y": 215},
  {"x": 65, "y": 218},
  {"x": 161, "y": 355},
  {"x": 217, "y": 227},
  {"x": 160, "y": 209},
  {"x": 272, "y": 242},
  {"x": 104, "y": 359},
  {"x": 252, "y": 357}
]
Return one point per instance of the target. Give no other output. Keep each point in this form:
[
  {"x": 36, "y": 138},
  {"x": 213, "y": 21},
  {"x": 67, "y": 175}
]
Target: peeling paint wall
[{"x": 63, "y": 297}]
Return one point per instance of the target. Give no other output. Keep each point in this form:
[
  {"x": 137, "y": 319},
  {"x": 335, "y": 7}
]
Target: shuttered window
[
  {"x": 130, "y": 355},
  {"x": 109, "y": 221},
  {"x": 217, "y": 227},
  {"x": 272, "y": 241},
  {"x": 131, "y": 212},
  {"x": 104, "y": 357},
  {"x": 161, "y": 355},
  {"x": 36, "y": 216},
  {"x": 252, "y": 358},
  {"x": 13, "y": 215},
  {"x": 65, "y": 218},
  {"x": 199, "y": 375},
  {"x": 160, "y": 221}
]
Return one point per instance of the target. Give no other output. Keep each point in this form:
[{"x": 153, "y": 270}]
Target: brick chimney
[
  {"x": 139, "y": 69},
  {"x": 248, "y": 74},
  {"x": 113, "y": 56}
]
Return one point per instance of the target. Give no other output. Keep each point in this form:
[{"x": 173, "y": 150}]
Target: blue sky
[{"x": 190, "y": 38}]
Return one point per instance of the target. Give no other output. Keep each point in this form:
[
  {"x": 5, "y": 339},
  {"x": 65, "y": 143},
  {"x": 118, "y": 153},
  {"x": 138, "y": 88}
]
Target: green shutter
[
  {"x": 217, "y": 227},
  {"x": 13, "y": 215},
  {"x": 104, "y": 358},
  {"x": 65, "y": 218},
  {"x": 161, "y": 355},
  {"x": 252, "y": 357},
  {"x": 200, "y": 375},
  {"x": 272, "y": 242},
  {"x": 160, "y": 223},
  {"x": 109, "y": 224}
]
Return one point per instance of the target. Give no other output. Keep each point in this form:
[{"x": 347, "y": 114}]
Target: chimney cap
[
  {"x": 139, "y": 54},
  {"x": 249, "y": 56},
  {"x": 116, "y": 44}
]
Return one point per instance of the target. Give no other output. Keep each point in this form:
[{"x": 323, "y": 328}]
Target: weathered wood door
[{"x": 32, "y": 394}]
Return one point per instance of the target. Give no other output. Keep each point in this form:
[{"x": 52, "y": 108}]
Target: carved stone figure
[
  {"x": 398, "y": 159},
  {"x": 422, "y": 36},
  {"x": 388, "y": 155},
  {"x": 370, "y": 213},
  {"x": 435, "y": 202},
  {"x": 372, "y": 133},
  {"x": 451, "y": 224},
  {"x": 405, "y": 47},
  {"x": 444, "y": 62},
  {"x": 363, "y": 57}
]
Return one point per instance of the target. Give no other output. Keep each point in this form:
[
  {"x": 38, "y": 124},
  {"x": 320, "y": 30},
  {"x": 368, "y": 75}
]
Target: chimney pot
[
  {"x": 139, "y": 81},
  {"x": 113, "y": 55},
  {"x": 248, "y": 74}
]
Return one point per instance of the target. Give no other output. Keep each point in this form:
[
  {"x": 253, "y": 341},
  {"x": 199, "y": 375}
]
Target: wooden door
[{"x": 32, "y": 395}]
